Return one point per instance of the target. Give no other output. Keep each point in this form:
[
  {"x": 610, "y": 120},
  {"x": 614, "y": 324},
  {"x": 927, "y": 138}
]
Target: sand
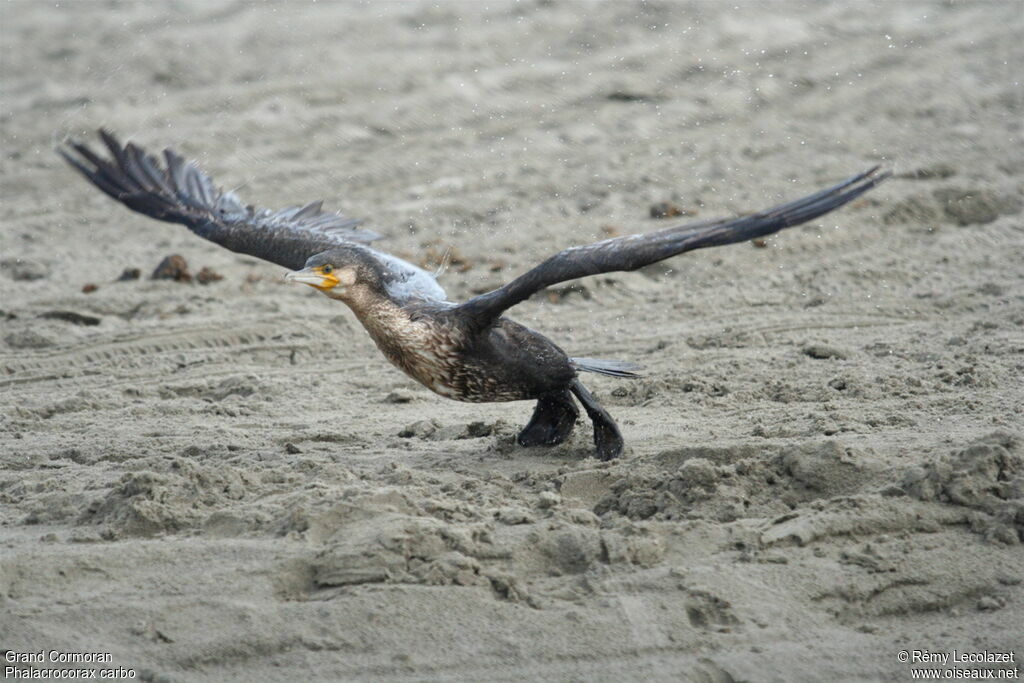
[{"x": 825, "y": 460}]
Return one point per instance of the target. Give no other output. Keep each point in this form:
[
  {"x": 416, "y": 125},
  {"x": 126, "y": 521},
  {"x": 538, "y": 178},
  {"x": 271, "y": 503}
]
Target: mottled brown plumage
[{"x": 467, "y": 351}]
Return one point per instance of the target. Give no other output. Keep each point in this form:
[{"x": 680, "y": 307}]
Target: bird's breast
[
  {"x": 423, "y": 347},
  {"x": 510, "y": 363}
]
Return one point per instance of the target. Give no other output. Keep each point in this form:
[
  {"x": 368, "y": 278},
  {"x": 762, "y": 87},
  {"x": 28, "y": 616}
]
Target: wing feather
[
  {"x": 636, "y": 251},
  {"x": 179, "y": 192},
  {"x": 149, "y": 168}
]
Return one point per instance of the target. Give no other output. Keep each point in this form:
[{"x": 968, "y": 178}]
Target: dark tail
[{"x": 614, "y": 368}]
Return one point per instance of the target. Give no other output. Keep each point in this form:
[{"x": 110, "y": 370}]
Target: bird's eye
[{"x": 328, "y": 269}]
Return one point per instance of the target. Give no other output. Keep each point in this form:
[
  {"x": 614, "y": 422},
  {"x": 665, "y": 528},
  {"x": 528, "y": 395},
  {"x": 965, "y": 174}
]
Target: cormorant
[{"x": 465, "y": 351}]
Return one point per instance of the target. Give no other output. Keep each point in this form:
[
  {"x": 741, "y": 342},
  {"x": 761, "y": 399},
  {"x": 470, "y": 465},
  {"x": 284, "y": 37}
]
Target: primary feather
[
  {"x": 178, "y": 191},
  {"x": 636, "y": 251}
]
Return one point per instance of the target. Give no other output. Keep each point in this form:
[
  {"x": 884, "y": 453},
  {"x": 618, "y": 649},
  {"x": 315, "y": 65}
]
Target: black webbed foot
[
  {"x": 608, "y": 440},
  {"x": 607, "y": 437},
  {"x": 552, "y": 422}
]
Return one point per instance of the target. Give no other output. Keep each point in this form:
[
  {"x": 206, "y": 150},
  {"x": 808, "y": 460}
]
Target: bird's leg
[
  {"x": 607, "y": 436},
  {"x": 552, "y": 422}
]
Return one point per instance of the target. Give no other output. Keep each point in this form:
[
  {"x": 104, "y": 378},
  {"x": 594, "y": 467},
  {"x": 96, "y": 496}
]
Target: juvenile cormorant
[{"x": 465, "y": 351}]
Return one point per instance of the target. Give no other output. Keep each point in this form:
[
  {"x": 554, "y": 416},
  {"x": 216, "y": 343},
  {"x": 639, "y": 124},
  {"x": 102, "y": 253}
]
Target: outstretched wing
[
  {"x": 636, "y": 251},
  {"x": 177, "y": 191}
]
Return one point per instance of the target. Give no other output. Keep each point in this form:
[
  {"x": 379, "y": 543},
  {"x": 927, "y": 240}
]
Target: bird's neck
[
  {"x": 378, "y": 314},
  {"x": 389, "y": 325},
  {"x": 420, "y": 347}
]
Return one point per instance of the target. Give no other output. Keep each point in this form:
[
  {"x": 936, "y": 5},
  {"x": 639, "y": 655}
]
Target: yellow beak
[{"x": 314, "y": 277}]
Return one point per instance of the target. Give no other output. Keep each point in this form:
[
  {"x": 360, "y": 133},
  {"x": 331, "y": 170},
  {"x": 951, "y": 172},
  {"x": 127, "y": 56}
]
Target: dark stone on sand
[
  {"x": 72, "y": 317},
  {"x": 208, "y": 275},
  {"x": 822, "y": 352},
  {"x": 629, "y": 96},
  {"x": 173, "y": 267},
  {"x": 129, "y": 274},
  {"x": 667, "y": 210}
]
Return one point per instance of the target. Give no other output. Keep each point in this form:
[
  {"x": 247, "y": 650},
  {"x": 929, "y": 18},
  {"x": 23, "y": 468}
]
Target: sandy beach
[{"x": 227, "y": 481}]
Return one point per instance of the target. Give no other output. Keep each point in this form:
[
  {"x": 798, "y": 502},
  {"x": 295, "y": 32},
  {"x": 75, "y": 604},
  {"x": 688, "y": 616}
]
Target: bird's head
[{"x": 344, "y": 273}]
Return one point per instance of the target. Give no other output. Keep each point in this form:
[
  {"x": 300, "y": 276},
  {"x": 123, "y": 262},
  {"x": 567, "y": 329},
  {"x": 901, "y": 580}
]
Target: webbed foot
[
  {"x": 607, "y": 437},
  {"x": 552, "y": 422}
]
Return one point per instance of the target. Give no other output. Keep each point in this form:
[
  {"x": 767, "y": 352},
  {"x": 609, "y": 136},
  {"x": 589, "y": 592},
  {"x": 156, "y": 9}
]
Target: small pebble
[
  {"x": 822, "y": 352},
  {"x": 208, "y": 275},
  {"x": 667, "y": 210},
  {"x": 173, "y": 267}
]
